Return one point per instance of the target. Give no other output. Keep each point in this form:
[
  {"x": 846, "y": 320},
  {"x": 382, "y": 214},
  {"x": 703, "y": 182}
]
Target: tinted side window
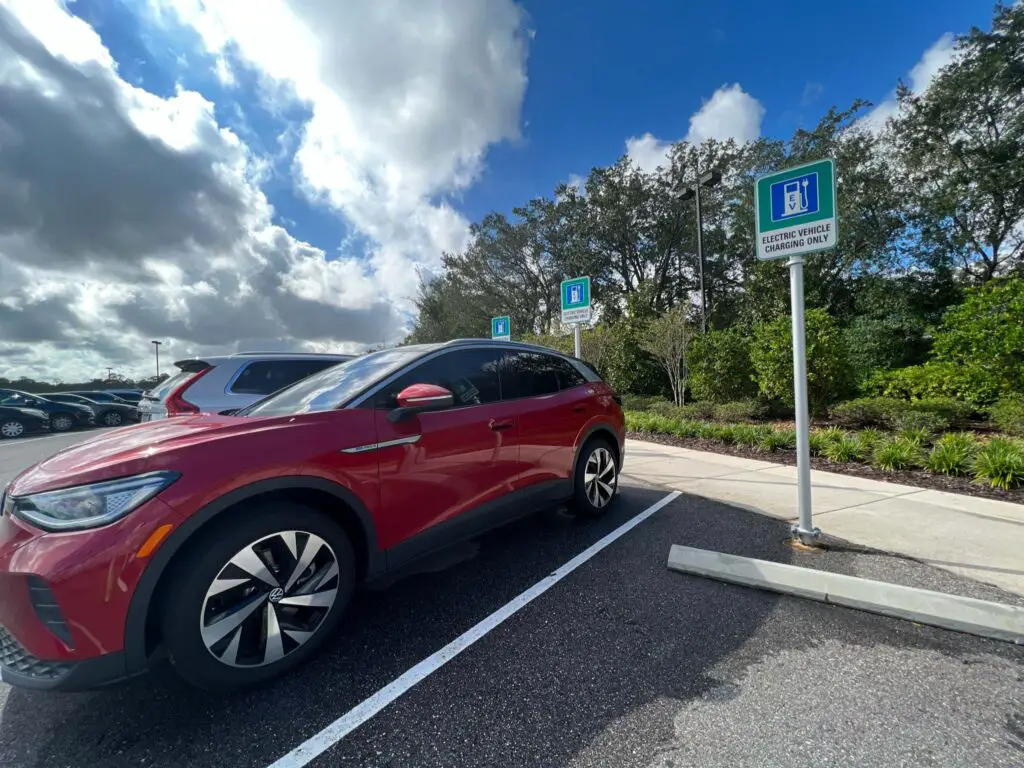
[
  {"x": 471, "y": 375},
  {"x": 264, "y": 377},
  {"x": 568, "y": 375},
  {"x": 530, "y": 374}
]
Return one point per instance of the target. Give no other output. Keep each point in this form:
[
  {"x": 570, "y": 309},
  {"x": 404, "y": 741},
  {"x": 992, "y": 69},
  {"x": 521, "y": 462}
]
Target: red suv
[{"x": 233, "y": 543}]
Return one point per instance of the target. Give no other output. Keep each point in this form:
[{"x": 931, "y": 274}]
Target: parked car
[
  {"x": 15, "y": 422},
  {"x": 98, "y": 396},
  {"x": 129, "y": 395},
  {"x": 230, "y": 382},
  {"x": 236, "y": 541},
  {"x": 109, "y": 414},
  {"x": 63, "y": 416}
]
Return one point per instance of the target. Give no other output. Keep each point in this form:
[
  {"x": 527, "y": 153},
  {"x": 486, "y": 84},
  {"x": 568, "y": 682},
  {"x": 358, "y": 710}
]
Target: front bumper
[{"x": 20, "y": 668}]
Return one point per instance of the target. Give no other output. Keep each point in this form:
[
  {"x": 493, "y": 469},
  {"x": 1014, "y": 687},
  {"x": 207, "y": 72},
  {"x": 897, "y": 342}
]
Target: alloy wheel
[
  {"x": 112, "y": 419},
  {"x": 269, "y": 599},
  {"x": 599, "y": 477},
  {"x": 12, "y": 429},
  {"x": 62, "y": 423}
]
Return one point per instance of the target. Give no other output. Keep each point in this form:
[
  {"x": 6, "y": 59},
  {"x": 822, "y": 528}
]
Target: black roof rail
[
  {"x": 512, "y": 344},
  {"x": 303, "y": 354}
]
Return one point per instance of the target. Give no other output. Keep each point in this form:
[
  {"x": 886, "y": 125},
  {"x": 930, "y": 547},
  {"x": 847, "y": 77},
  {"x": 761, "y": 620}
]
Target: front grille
[
  {"x": 48, "y": 611},
  {"x": 17, "y": 659}
]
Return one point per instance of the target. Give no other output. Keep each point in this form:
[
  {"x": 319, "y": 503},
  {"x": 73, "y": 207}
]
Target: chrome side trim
[{"x": 386, "y": 444}]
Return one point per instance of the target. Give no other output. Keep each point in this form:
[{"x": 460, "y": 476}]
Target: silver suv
[{"x": 224, "y": 383}]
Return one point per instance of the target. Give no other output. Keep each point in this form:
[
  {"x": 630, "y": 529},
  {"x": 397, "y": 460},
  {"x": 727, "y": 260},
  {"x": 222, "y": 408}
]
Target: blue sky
[
  {"x": 599, "y": 72},
  {"x": 288, "y": 170}
]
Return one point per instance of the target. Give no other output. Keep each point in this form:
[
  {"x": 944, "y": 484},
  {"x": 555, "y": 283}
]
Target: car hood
[{"x": 132, "y": 450}]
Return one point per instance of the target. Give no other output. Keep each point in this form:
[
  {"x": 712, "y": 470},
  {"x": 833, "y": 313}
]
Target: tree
[
  {"x": 719, "y": 364},
  {"x": 828, "y": 371},
  {"x": 961, "y": 144},
  {"x": 596, "y": 345},
  {"x": 667, "y": 341}
]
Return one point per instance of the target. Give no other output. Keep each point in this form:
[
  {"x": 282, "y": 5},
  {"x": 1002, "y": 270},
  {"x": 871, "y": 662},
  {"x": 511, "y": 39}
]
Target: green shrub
[
  {"x": 952, "y": 454},
  {"x": 785, "y": 438},
  {"x": 867, "y": 439},
  {"x": 921, "y": 423},
  {"x": 687, "y": 428},
  {"x": 740, "y": 410},
  {"x": 702, "y": 411},
  {"x": 665, "y": 408},
  {"x": 934, "y": 379},
  {"x": 868, "y": 411},
  {"x": 829, "y": 375},
  {"x": 1000, "y": 464},
  {"x": 897, "y": 454},
  {"x": 719, "y": 365},
  {"x": 844, "y": 449},
  {"x": 1008, "y": 414},
  {"x": 818, "y": 442},
  {"x": 711, "y": 431},
  {"x": 746, "y": 435},
  {"x": 773, "y": 440},
  {"x": 831, "y": 434},
  {"x": 641, "y": 402},
  {"x": 953, "y": 410}
]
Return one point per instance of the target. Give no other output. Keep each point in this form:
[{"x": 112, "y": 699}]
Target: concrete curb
[{"x": 960, "y": 614}]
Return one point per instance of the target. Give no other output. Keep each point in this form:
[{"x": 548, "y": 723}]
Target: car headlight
[{"x": 90, "y": 506}]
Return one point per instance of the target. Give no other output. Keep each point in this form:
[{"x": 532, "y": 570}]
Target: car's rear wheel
[
  {"x": 61, "y": 422},
  {"x": 113, "y": 419},
  {"x": 12, "y": 428},
  {"x": 255, "y": 598},
  {"x": 596, "y": 480}
]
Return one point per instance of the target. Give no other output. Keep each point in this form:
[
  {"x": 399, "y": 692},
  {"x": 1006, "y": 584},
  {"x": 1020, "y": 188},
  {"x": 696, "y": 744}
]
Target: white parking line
[
  {"x": 344, "y": 725},
  {"x": 24, "y": 441}
]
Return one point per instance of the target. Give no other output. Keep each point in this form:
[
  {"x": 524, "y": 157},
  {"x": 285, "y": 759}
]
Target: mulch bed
[{"x": 915, "y": 477}]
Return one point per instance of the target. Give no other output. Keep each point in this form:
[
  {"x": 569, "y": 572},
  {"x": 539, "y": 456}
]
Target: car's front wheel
[
  {"x": 113, "y": 419},
  {"x": 61, "y": 422},
  {"x": 596, "y": 480},
  {"x": 12, "y": 428},
  {"x": 256, "y": 597}
]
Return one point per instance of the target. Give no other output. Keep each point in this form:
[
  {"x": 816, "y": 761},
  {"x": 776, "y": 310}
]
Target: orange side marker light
[{"x": 154, "y": 541}]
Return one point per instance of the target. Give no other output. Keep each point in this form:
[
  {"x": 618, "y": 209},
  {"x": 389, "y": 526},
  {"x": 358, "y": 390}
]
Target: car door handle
[
  {"x": 579, "y": 408},
  {"x": 497, "y": 426}
]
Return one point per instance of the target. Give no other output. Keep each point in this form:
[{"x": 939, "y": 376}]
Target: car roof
[{"x": 213, "y": 360}]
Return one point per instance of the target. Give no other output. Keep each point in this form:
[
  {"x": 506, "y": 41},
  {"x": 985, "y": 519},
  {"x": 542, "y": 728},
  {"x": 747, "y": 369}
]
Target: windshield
[{"x": 334, "y": 386}]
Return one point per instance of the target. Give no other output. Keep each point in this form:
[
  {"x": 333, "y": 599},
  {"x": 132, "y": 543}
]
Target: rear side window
[
  {"x": 264, "y": 377},
  {"x": 470, "y": 375},
  {"x": 168, "y": 385},
  {"x": 534, "y": 374}
]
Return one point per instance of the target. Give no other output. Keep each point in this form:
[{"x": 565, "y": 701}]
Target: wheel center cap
[{"x": 276, "y": 594}]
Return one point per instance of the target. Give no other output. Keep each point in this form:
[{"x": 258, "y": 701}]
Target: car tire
[
  {"x": 11, "y": 428},
  {"x": 62, "y": 422},
  {"x": 596, "y": 481},
  {"x": 112, "y": 419},
  {"x": 280, "y": 626}
]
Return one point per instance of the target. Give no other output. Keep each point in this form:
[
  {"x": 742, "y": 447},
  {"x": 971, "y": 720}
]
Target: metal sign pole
[
  {"x": 577, "y": 340},
  {"x": 804, "y": 530}
]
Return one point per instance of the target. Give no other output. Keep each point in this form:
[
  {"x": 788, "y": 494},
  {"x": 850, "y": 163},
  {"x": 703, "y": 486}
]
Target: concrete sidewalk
[{"x": 982, "y": 539}]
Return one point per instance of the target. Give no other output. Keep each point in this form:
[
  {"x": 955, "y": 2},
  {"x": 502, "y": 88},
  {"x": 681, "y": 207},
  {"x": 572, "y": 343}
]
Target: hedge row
[{"x": 998, "y": 463}]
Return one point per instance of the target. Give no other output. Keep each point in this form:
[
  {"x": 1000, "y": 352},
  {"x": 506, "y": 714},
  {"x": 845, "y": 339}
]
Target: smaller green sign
[
  {"x": 576, "y": 300},
  {"x": 501, "y": 328},
  {"x": 796, "y": 211}
]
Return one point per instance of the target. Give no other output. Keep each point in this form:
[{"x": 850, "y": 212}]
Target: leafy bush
[
  {"x": 828, "y": 372},
  {"x": 924, "y": 423},
  {"x": 844, "y": 449},
  {"x": 953, "y": 410},
  {"x": 641, "y": 402},
  {"x": 665, "y": 408},
  {"x": 702, "y": 411},
  {"x": 746, "y": 435},
  {"x": 740, "y": 410},
  {"x": 687, "y": 428},
  {"x": 867, "y": 439},
  {"x": 867, "y": 411},
  {"x": 897, "y": 454},
  {"x": 720, "y": 432},
  {"x": 774, "y": 440},
  {"x": 831, "y": 434},
  {"x": 1008, "y": 414},
  {"x": 720, "y": 369},
  {"x": 818, "y": 442},
  {"x": 785, "y": 438},
  {"x": 935, "y": 379},
  {"x": 1000, "y": 464},
  {"x": 952, "y": 454}
]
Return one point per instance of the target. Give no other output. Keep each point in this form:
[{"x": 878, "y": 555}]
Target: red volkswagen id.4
[{"x": 232, "y": 543}]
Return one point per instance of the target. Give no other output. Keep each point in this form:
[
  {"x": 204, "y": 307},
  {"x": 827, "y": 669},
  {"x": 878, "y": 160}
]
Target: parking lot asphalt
[{"x": 622, "y": 663}]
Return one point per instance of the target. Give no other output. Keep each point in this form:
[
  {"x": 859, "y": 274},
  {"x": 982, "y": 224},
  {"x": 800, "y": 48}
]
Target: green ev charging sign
[{"x": 796, "y": 211}]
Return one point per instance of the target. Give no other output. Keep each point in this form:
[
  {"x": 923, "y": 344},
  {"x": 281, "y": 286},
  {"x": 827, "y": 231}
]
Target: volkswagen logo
[{"x": 276, "y": 594}]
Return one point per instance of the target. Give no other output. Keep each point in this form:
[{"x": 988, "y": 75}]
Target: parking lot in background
[{"x": 621, "y": 663}]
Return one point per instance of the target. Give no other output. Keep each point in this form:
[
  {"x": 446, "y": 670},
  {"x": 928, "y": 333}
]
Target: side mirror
[{"x": 420, "y": 398}]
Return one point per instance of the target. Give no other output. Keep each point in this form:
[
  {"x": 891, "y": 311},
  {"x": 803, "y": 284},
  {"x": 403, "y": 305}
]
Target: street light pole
[
  {"x": 156, "y": 346},
  {"x": 709, "y": 179}
]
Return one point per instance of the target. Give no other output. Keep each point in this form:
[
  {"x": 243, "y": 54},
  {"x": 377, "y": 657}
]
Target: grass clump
[
  {"x": 952, "y": 454},
  {"x": 1000, "y": 464},
  {"x": 897, "y": 454}
]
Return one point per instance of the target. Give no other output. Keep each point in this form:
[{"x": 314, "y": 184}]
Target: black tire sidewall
[
  {"x": 205, "y": 558},
  {"x": 581, "y": 505}
]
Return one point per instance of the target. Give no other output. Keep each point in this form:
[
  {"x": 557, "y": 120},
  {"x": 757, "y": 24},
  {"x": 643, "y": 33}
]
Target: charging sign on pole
[{"x": 795, "y": 213}]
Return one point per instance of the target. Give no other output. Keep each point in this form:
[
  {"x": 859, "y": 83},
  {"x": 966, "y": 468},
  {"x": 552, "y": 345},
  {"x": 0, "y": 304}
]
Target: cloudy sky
[{"x": 225, "y": 175}]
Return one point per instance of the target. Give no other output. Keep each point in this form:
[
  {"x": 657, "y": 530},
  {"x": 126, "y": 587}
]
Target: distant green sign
[
  {"x": 501, "y": 328},
  {"x": 576, "y": 300},
  {"x": 796, "y": 211}
]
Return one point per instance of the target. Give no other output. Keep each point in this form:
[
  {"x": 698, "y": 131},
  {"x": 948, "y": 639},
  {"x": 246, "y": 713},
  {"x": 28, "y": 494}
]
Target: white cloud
[
  {"x": 125, "y": 216},
  {"x": 405, "y": 100},
  {"x": 938, "y": 55},
  {"x": 730, "y": 113}
]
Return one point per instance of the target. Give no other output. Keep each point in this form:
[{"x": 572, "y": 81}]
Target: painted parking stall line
[{"x": 364, "y": 711}]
